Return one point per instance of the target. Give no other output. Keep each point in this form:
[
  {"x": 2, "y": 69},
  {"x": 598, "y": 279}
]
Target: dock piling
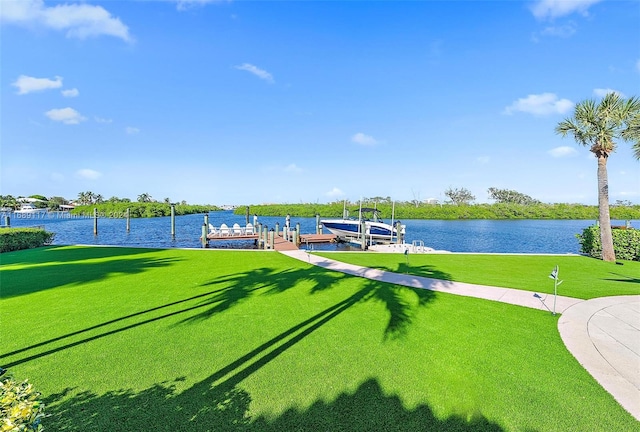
[
  {"x": 173, "y": 220},
  {"x": 205, "y": 243},
  {"x": 95, "y": 221},
  {"x": 128, "y": 219}
]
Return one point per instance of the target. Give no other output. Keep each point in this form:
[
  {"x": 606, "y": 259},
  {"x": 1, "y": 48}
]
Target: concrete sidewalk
[
  {"x": 602, "y": 334},
  {"x": 505, "y": 295}
]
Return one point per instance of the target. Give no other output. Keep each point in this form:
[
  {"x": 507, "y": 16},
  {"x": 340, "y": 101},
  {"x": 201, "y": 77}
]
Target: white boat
[
  {"x": 375, "y": 229},
  {"x": 28, "y": 207}
]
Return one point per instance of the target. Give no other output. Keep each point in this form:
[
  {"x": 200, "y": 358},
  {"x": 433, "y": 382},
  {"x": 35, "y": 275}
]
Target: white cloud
[
  {"x": 65, "y": 115},
  {"x": 562, "y": 151},
  {"x": 564, "y": 31},
  {"x": 131, "y": 130},
  {"x": 260, "y": 73},
  {"x": 293, "y": 168},
  {"x": 70, "y": 93},
  {"x": 188, "y": 4},
  {"x": 550, "y": 9},
  {"x": 88, "y": 174},
  {"x": 363, "y": 139},
  {"x": 78, "y": 20},
  {"x": 602, "y": 92},
  {"x": 102, "y": 120},
  {"x": 334, "y": 193},
  {"x": 542, "y": 104},
  {"x": 27, "y": 84}
]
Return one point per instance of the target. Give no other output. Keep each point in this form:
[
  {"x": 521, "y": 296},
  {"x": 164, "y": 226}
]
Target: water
[{"x": 507, "y": 236}]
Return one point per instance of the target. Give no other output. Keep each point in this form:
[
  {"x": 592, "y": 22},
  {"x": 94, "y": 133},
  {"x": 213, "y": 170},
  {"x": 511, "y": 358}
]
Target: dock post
[
  {"x": 95, "y": 221},
  {"x": 128, "y": 219},
  {"x": 205, "y": 243},
  {"x": 272, "y": 238},
  {"x": 246, "y": 215},
  {"x": 295, "y": 238},
  {"x": 265, "y": 237},
  {"x": 399, "y": 239},
  {"x": 298, "y": 229},
  {"x": 278, "y": 228},
  {"x": 363, "y": 230},
  {"x": 318, "y": 227},
  {"x": 173, "y": 220}
]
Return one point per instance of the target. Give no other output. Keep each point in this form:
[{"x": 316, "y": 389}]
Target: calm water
[{"x": 517, "y": 236}]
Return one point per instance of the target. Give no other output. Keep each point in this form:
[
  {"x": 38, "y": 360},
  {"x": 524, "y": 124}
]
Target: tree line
[{"x": 408, "y": 210}]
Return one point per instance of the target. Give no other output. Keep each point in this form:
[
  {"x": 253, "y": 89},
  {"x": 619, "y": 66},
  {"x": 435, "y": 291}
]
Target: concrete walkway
[
  {"x": 505, "y": 295},
  {"x": 602, "y": 334}
]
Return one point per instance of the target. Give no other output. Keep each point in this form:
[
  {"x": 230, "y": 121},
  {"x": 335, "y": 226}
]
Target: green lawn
[
  {"x": 176, "y": 340},
  {"x": 582, "y": 277}
]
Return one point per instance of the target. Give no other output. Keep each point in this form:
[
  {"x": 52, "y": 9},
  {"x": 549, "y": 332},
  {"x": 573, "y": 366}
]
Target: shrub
[
  {"x": 626, "y": 242},
  {"x": 12, "y": 239},
  {"x": 20, "y": 406}
]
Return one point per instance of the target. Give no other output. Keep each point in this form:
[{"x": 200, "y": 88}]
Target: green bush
[
  {"x": 20, "y": 406},
  {"x": 626, "y": 242},
  {"x": 12, "y": 239}
]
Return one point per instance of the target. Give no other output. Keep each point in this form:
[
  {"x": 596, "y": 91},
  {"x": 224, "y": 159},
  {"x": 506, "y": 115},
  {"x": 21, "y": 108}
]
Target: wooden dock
[{"x": 281, "y": 243}]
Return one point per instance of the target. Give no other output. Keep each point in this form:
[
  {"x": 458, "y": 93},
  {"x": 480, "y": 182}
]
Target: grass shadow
[
  {"x": 204, "y": 407},
  {"x": 624, "y": 278},
  {"x": 62, "y": 254},
  {"x": 47, "y": 272}
]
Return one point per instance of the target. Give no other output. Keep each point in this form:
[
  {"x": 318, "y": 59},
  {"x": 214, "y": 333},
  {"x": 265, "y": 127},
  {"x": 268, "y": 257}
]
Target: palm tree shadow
[
  {"x": 58, "y": 274},
  {"x": 239, "y": 287},
  {"x": 425, "y": 270},
  {"x": 203, "y": 407},
  {"x": 400, "y": 302},
  {"x": 624, "y": 278}
]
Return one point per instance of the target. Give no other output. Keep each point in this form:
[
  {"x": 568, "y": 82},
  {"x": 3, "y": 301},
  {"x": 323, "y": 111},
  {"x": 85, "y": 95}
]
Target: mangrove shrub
[
  {"x": 12, "y": 239},
  {"x": 626, "y": 242}
]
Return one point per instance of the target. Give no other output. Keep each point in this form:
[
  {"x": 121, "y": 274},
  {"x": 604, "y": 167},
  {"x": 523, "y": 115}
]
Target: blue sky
[{"x": 248, "y": 102}]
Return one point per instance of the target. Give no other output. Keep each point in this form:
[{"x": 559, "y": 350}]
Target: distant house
[{"x": 431, "y": 201}]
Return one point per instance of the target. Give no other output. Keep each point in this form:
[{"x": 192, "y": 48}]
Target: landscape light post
[{"x": 556, "y": 282}]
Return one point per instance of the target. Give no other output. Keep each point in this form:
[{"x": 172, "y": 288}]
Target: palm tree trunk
[{"x": 603, "y": 205}]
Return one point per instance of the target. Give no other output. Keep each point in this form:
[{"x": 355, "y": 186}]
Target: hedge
[
  {"x": 12, "y": 239},
  {"x": 626, "y": 242}
]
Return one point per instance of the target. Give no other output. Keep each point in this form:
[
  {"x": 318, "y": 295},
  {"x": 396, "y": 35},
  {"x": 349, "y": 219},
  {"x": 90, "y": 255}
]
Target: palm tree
[
  {"x": 597, "y": 125},
  {"x": 144, "y": 197}
]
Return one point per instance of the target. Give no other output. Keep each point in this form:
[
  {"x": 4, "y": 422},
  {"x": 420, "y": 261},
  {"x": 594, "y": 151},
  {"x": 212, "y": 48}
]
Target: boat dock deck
[{"x": 280, "y": 243}]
